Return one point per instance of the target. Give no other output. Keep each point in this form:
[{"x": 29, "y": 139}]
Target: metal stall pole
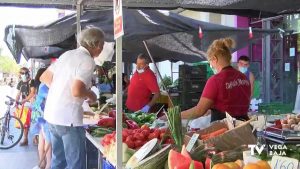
[
  {"x": 158, "y": 73},
  {"x": 79, "y": 12},
  {"x": 266, "y": 64},
  {"x": 119, "y": 101}
]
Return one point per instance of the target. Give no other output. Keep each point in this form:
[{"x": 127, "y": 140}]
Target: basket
[
  {"x": 231, "y": 139},
  {"x": 275, "y": 108}
]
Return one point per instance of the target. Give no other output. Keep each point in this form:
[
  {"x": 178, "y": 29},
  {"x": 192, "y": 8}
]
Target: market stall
[
  {"x": 221, "y": 145},
  {"x": 224, "y": 144}
]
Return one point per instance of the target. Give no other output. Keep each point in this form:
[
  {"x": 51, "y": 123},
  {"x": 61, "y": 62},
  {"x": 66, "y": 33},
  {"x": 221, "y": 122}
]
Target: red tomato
[
  {"x": 106, "y": 138},
  {"x": 129, "y": 132},
  {"x": 163, "y": 130},
  {"x": 161, "y": 136},
  {"x": 130, "y": 143},
  {"x": 138, "y": 143},
  {"x": 146, "y": 133},
  {"x": 156, "y": 134},
  {"x": 151, "y": 136},
  {"x": 157, "y": 131},
  {"x": 129, "y": 138},
  {"x": 169, "y": 141},
  {"x": 125, "y": 133},
  {"x": 139, "y": 136},
  {"x": 145, "y": 127}
]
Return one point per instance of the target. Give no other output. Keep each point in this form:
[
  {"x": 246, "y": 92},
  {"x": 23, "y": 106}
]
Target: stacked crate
[{"x": 192, "y": 80}]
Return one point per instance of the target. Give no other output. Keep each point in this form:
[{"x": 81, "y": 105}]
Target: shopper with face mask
[
  {"x": 141, "y": 87},
  {"x": 26, "y": 91},
  {"x": 226, "y": 91},
  {"x": 243, "y": 66}
]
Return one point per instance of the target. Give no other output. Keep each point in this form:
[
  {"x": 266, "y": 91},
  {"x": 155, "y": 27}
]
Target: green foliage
[
  {"x": 176, "y": 82},
  {"x": 167, "y": 81},
  {"x": 8, "y": 65}
]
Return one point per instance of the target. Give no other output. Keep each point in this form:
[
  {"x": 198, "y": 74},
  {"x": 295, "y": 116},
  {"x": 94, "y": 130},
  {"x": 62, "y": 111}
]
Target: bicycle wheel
[{"x": 10, "y": 135}]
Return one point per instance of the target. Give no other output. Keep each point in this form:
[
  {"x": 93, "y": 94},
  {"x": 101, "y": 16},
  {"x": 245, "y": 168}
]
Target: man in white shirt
[{"x": 69, "y": 81}]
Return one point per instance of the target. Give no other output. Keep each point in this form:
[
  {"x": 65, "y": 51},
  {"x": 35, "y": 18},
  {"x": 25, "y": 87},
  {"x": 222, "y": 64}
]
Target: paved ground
[{"x": 16, "y": 157}]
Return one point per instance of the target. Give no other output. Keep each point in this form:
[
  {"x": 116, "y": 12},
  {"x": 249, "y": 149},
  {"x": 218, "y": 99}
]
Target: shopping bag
[{"x": 24, "y": 114}]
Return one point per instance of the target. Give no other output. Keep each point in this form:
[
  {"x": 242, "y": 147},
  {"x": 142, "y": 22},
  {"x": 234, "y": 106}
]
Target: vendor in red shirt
[
  {"x": 141, "y": 87},
  {"x": 228, "y": 90}
]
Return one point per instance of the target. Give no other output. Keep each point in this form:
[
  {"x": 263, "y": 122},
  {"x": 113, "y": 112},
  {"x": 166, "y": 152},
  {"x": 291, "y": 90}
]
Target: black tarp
[
  {"x": 249, "y": 8},
  {"x": 170, "y": 36}
]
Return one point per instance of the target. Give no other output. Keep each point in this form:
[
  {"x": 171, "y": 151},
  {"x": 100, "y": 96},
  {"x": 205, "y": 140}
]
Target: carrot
[{"x": 213, "y": 134}]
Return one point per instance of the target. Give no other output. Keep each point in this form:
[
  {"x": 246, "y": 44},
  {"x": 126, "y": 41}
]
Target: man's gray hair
[
  {"x": 143, "y": 57},
  {"x": 91, "y": 37}
]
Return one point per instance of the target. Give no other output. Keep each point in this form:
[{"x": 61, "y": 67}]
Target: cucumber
[{"x": 100, "y": 132}]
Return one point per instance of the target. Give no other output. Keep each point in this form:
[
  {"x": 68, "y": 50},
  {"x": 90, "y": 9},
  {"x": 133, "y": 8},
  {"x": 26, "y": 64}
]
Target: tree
[
  {"x": 8, "y": 65},
  {"x": 167, "y": 81}
]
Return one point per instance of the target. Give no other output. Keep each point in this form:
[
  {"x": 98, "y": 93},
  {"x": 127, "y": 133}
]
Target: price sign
[
  {"x": 279, "y": 162},
  {"x": 192, "y": 142},
  {"x": 229, "y": 121},
  {"x": 118, "y": 19}
]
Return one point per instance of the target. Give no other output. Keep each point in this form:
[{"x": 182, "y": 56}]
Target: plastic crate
[
  {"x": 107, "y": 165},
  {"x": 192, "y": 72},
  {"x": 209, "y": 71},
  {"x": 275, "y": 108},
  {"x": 191, "y": 85},
  {"x": 189, "y": 100}
]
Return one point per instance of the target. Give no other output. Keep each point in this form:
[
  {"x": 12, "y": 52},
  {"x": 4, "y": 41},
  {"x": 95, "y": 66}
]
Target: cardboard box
[{"x": 240, "y": 135}]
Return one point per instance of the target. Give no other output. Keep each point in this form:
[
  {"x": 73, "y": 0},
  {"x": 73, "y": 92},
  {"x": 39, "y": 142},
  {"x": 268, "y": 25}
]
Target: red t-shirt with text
[
  {"x": 140, "y": 89},
  {"x": 230, "y": 91}
]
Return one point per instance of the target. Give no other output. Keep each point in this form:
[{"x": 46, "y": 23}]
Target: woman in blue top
[{"x": 41, "y": 125}]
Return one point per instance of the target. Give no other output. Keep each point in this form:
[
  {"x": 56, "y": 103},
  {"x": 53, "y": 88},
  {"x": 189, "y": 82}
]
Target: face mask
[
  {"x": 24, "y": 78},
  {"x": 213, "y": 69},
  {"x": 243, "y": 69},
  {"x": 140, "y": 70}
]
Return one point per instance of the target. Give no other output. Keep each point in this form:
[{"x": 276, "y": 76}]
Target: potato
[
  {"x": 293, "y": 126},
  {"x": 297, "y": 128},
  {"x": 291, "y": 121},
  {"x": 284, "y": 121},
  {"x": 286, "y": 126}
]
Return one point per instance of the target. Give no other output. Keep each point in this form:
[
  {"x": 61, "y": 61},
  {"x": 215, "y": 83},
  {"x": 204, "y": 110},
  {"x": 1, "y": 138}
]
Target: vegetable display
[
  {"x": 174, "y": 120},
  {"x": 213, "y": 134},
  {"x": 142, "y": 118},
  {"x": 100, "y": 132},
  {"x": 136, "y": 138},
  {"x": 110, "y": 122}
]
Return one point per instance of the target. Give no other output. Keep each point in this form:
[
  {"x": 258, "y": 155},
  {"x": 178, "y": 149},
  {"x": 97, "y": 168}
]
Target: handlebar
[{"x": 13, "y": 101}]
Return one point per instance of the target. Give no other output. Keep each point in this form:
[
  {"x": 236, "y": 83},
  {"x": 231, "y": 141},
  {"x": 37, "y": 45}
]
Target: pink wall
[{"x": 241, "y": 22}]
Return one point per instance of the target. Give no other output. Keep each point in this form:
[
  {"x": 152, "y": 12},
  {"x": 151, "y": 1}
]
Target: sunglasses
[{"x": 23, "y": 73}]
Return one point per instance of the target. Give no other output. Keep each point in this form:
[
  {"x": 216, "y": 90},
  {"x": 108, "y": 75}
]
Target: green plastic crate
[
  {"x": 208, "y": 69},
  {"x": 275, "y": 108}
]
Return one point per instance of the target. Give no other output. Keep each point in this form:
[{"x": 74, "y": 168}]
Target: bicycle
[{"x": 9, "y": 134}]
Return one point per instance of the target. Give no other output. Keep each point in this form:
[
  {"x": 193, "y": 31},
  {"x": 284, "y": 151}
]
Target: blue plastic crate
[{"x": 107, "y": 165}]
